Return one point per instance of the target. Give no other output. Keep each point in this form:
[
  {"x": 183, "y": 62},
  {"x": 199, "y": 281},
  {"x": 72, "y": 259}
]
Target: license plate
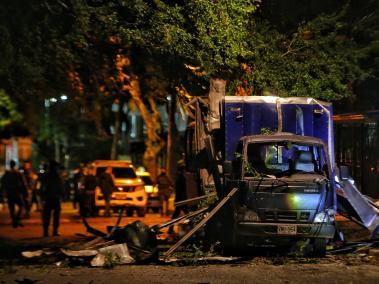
[
  {"x": 120, "y": 196},
  {"x": 287, "y": 229}
]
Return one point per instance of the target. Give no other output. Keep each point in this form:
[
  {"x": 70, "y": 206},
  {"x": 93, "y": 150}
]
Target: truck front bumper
[{"x": 316, "y": 230}]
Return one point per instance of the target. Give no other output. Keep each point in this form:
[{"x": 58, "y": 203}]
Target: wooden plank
[
  {"x": 191, "y": 200},
  {"x": 156, "y": 228},
  {"x": 201, "y": 223}
]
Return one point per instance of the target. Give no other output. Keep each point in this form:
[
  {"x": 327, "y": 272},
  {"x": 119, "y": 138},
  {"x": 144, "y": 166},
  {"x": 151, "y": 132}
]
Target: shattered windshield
[{"x": 283, "y": 159}]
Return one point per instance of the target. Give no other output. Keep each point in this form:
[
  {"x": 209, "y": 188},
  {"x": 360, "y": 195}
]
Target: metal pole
[{"x": 201, "y": 223}]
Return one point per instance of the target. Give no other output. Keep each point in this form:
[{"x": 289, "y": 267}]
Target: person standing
[
  {"x": 107, "y": 186},
  {"x": 27, "y": 175},
  {"x": 51, "y": 194},
  {"x": 76, "y": 185},
  {"x": 12, "y": 183},
  {"x": 164, "y": 190},
  {"x": 89, "y": 186},
  {"x": 180, "y": 195}
]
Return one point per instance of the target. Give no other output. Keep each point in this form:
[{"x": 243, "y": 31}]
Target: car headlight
[{"x": 149, "y": 188}]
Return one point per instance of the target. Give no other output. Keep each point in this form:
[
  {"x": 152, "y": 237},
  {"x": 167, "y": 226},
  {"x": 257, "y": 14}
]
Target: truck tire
[
  {"x": 141, "y": 212},
  {"x": 319, "y": 247},
  {"x": 155, "y": 210},
  {"x": 129, "y": 212}
]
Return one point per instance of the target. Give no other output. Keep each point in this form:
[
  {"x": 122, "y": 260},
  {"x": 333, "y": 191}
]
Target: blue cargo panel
[
  {"x": 250, "y": 115},
  {"x": 244, "y": 117}
]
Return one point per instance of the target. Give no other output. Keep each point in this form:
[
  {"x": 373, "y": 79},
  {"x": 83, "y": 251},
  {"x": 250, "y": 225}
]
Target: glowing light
[
  {"x": 64, "y": 98},
  {"x": 53, "y": 100},
  {"x": 149, "y": 188}
]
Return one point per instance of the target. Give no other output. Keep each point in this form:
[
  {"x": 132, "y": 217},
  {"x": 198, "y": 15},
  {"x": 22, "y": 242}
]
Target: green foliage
[
  {"x": 208, "y": 34},
  {"x": 111, "y": 260},
  {"x": 324, "y": 66},
  {"x": 8, "y": 110},
  {"x": 267, "y": 131}
]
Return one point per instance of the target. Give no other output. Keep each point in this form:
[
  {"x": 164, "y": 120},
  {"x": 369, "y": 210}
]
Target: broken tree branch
[{"x": 201, "y": 223}]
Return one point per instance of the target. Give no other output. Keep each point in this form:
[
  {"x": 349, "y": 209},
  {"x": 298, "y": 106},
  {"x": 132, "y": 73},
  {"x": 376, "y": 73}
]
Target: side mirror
[
  {"x": 344, "y": 172},
  {"x": 227, "y": 167}
]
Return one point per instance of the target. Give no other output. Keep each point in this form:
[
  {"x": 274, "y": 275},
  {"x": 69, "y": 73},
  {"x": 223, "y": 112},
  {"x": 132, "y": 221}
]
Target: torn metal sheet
[
  {"x": 361, "y": 206},
  {"x": 36, "y": 253},
  {"x": 30, "y": 254},
  {"x": 79, "y": 253}
]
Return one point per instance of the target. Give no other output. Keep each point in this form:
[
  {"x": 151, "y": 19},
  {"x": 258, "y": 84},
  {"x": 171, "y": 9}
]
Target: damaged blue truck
[{"x": 272, "y": 160}]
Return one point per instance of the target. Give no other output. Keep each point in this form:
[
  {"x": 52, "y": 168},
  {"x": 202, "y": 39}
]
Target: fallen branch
[{"x": 201, "y": 223}]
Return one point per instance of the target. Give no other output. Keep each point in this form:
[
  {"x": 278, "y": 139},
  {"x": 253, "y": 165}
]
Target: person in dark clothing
[
  {"x": 27, "y": 174},
  {"x": 52, "y": 194},
  {"x": 12, "y": 183},
  {"x": 107, "y": 185},
  {"x": 89, "y": 184},
  {"x": 76, "y": 181},
  {"x": 180, "y": 195},
  {"x": 164, "y": 190}
]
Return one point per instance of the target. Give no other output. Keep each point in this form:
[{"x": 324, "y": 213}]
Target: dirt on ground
[
  {"x": 360, "y": 266},
  {"x": 357, "y": 267},
  {"x": 257, "y": 270}
]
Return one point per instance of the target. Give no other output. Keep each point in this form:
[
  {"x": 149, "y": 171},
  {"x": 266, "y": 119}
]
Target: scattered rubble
[{"x": 137, "y": 243}]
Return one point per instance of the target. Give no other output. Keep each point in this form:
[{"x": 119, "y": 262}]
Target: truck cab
[
  {"x": 285, "y": 191},
  {"x": 279, "y": 154}
]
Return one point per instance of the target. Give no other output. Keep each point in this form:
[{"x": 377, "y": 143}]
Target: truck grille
[
  {"x": 125, "y": 189},
  {"x": 285, "y": 216}
]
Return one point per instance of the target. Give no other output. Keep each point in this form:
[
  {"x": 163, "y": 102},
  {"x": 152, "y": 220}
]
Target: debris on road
[
  {"x": 31, "y": 254},
  {"x": 79, "y": 253},
  {"x": 137, "y": 243},
  {"x": 117, "y": 254}
]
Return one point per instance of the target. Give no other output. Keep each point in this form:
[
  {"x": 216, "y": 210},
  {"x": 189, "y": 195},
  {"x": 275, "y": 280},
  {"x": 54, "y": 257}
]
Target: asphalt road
[
  {"x": 358, "y": 268},
  {"x": 70, "y": 224}
]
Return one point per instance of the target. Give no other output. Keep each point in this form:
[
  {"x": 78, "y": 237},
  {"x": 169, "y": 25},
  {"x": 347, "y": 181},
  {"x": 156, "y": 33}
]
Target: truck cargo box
[{"x": 252, "y": 115}]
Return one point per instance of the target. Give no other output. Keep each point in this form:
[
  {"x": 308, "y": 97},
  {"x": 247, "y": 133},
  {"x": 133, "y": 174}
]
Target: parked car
[
  {"x": 151, "y": 189},
  {"x": 129, "y": 188}
]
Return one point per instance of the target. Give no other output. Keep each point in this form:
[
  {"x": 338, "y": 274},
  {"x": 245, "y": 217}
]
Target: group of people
[
  {"x": 46, "y": 189},
  {"x": 21, "y": 188},
  {"x": 85, "y": 182}
]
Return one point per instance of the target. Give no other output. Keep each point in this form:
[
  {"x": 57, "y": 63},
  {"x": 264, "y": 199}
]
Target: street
[
  {"x": 257, "y": 269},
  {"x": 70, "y": 224}
]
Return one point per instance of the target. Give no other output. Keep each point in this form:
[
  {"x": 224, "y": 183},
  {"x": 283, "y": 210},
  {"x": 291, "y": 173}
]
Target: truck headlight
[
  {"x": 251, "y": 216},
  {"x": 325, "y": 217}
]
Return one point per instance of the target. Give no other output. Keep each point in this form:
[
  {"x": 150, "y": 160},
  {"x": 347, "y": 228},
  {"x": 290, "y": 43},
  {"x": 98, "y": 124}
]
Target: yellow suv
[
  {"x": 153, "y": 200},
  {"x": 129, "y": 189}
]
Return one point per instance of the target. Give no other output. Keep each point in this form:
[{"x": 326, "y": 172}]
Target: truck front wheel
[
  {"x": 129, "y": 212},
  {"x": 141, "y": 212},
  {"x": 319, "y": 247}
]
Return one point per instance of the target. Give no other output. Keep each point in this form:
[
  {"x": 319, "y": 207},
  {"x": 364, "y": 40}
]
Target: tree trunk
[
  {"x": 216, "y": 94},
  {"x": 171, "y": 137},
  {"x": 117, "y": 126},
  {"x": 154, "y": 143}
]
